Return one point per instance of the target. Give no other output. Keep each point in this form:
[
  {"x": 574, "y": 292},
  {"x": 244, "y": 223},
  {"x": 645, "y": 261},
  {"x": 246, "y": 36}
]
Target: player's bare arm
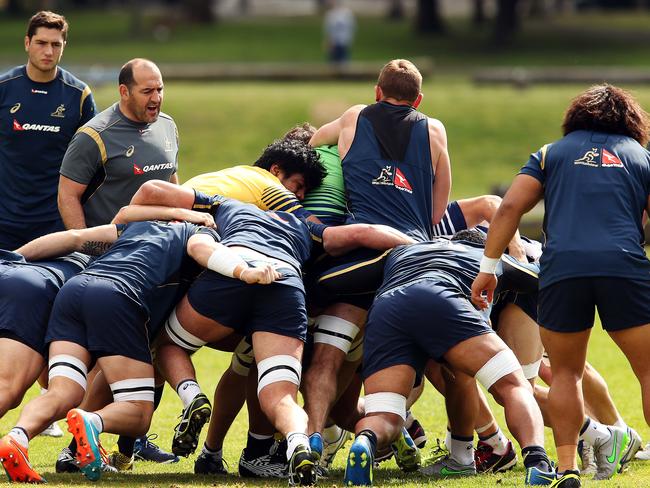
[
  {"x": 138, "y": 213},
  {"x": 341, "y": 239},
  {"x": 69, "y": 202},
  {"x": 221, "y": 259},
  {"x": 441, "y": 168},
  {"x": 93, "y": 240},
  {"x": 339, "y": 131},
  {"x": 163, "y": 193},
  {"x": 522, "y": 196}
]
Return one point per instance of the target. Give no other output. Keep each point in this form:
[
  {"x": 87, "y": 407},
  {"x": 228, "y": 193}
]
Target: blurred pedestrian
[
  {"x": 41, "y": 108},
  {"x": 339, "y": 30}
]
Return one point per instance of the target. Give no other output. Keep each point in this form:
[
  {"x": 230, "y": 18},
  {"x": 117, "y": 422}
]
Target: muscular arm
[
  {"x": 93, "y": 241},
  {"x": 69, "y": 201},
  {"x": 441, "y": 168},
  {"x": 163, "y": 193},
  {"x": 483, "y": 209},
  {"x": 138, "y": 213},
  {"x": 339, "y": 131},
  {"x": 341, "y": 239},
  {"x": 522, "y": 196}
]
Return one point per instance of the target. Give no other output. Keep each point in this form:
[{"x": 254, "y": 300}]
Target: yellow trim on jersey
[
  {"x": 84, "y": 95},
  {"x": 248, "y": 184},
  {"x": 89, "y": 131},
  {"x": 354, "y": 266},
  {"x": 544, "y": 149}
]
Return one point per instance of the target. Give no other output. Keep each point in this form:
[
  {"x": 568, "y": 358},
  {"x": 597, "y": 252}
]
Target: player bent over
[{"x": 422, "y": 282}]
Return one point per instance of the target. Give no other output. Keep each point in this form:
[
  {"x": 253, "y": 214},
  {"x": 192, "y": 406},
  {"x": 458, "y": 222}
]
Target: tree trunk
[
  {"x": 428, "y": 19},
  {"x": 199, "y": 11},
  {"x": 479, "y": 17},
  {"x": 507, "y": 22},
  {"x": 396, "y": 10}
]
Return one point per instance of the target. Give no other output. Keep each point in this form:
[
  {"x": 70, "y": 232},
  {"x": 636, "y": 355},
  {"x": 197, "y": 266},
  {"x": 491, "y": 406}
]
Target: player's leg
[{"x": 14, "y": 382}]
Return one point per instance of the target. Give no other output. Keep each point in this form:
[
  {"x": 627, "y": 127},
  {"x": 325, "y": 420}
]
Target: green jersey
[{"x": 328, "y": 202}]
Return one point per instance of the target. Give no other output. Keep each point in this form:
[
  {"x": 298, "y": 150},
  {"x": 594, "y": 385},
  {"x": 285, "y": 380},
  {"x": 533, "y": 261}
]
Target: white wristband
[
  {"x": 489, "y": 265},
  {"x": 224, "y": 262}
]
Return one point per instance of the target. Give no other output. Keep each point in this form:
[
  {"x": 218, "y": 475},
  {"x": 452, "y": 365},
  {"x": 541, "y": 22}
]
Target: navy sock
[
  {"x": 372, "y": 438},
  {"x": 125, "y": 445},
  {"x": 536, "y": 457}
]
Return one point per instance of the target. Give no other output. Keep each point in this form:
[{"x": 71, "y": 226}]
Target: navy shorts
[
  {"x": 15, "y": 234},
  {"x": 26, "y": 298},
  {"x": 418, "y": 322},
  {"x": 525, "y": 301},
  {"x": 99, "y": 315},
  {"x": 569, "y": 305},
  {"x": 276, "y": 308}
]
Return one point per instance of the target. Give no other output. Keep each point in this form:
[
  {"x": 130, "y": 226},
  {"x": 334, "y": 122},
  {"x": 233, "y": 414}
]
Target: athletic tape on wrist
[
  {"x": 224, "y": 262},
  {"x": 489, "y": 265}
]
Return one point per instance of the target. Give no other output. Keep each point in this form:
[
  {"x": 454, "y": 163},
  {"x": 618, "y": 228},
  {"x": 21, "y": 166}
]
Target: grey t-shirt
[{"x": 113, "y": 156}]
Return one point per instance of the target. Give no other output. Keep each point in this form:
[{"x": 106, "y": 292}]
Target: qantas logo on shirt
[
  {"x": 137, "y": 170},
  {"x": 609, "y": 160},
  {"x": 18, "y": 127},
  {"x": 393, "y": 178},
  {"x": 40, "y": 92}
]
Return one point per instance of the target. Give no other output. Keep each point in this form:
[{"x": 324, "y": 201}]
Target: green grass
[{"x": 589, "y": 39}]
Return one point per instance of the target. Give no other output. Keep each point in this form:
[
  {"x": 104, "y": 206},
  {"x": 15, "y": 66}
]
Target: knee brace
[
  {"x": 356, "y": 349},
  {"x": 335, "y": 331},
  {"x": 133, "y": 389},
  {"x": 242, "y": 358},
  {"x": 501, "y": 364},
  {"x": 531, "y": 370},
  {"x": 69, "y": 367},
  {"x": 180, "y": 336},
  {"x": 278, "y": 368},
  {"x": 385, "y": 402}
]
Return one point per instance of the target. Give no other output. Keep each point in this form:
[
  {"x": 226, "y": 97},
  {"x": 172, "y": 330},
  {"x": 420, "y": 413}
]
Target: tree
[
  {"x": 396, "y": 10},
  {"x": 507, "y": 21},
  {"x": 479, "y": 16},
  {"x": 428, "y": 18}
]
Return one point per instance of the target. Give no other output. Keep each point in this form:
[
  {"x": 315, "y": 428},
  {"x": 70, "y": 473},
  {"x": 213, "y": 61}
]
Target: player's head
[
  {"x": 296, "y": 165},
  {"x": 45, "y": 39},
  {"x": 400, "y": 81},
  {"x": 474, "y": 236},
  {"x": 141, "y": 90},
  {"x": 607, "y": 108},
  {"x": 302, "y": 132}
]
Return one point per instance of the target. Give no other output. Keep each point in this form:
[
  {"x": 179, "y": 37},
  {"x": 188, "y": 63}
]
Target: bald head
[{"x": 141, "y": 90}]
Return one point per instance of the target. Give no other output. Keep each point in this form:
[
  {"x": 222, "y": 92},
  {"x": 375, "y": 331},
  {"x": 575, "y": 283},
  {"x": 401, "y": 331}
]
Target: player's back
[{"x": 388, "y": 171}]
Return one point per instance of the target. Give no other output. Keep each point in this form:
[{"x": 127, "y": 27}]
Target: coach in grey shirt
[{"x": 115, "y": 152}]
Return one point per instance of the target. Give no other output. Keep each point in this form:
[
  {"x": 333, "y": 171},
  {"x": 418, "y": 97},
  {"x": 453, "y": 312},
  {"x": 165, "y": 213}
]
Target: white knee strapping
[
  {"x": 385, "y": 402},
  {"x": 242, "y": 358},
  {"x": 531, "y": 370},
  {"x": 180, "y": 336},
  {"x": 335, "y": 331},
  {"x": 133, "y": 389},
  {"x": 356, "y": 349},
  {"x": 501, "y": 364},
  {"x": 278, "y": 368},
  {"x": 69, "y": 367}
]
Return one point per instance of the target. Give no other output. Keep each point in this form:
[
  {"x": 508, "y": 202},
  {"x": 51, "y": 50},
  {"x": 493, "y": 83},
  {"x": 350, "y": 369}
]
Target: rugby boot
[
  {"x": 610, "y": 451},
  {"x": 120, "y": 461},
  {"x": 302, "y": 470},
  {"x": 89, "y": 450},
  {"x": 407, "y": 455},
  {"x": 569, "y": 479},
  {"x": 207, "y": 464},
  {"x": 193, "y": 418},
  {"x": 15, "y": 461},
  {"x": 145, "y": 450},
  {"x": 66, "y": 462},
  {"x": 358, "y": 470},
  {"x": 448, "y": 467},
  {"x": 489, "y": 462},
  {"x": 633, "y": 447}
]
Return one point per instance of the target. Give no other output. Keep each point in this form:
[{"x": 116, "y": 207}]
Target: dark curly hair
[
  {"x": 302, "y": 132},
  {"x": 474, "y": 235},
  {"x": 607, "y": 108},
  {"x": 294, "y": 157}
]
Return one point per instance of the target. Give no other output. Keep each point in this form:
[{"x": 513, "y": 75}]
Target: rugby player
[
  {"x": 601, "y": 170},
  {"x": 275, "y": 319},
  {"x": 43, "y": 105},
  {"x": 432, "y": 280}
]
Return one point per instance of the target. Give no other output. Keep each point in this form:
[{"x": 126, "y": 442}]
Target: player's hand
[
  {"x": 483, "y": 290},
  {"x": 200, "y": 218},
  {"x": 262, "y": 275}
]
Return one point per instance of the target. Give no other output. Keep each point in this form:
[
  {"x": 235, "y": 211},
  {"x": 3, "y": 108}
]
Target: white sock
[
  {"x": 595, "y": 433},
  {"x": 620, "y": 423},
  {"x": 462, "y": 450},
  {"x": 96, "y": 421},
  {"x": 295, "y": 439},
  {"x": 497, "y": 441},
  {"x": 20, "y": 436},
  {"x": 448, "y": 438},
  {"x": 187, "y": 391}
]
